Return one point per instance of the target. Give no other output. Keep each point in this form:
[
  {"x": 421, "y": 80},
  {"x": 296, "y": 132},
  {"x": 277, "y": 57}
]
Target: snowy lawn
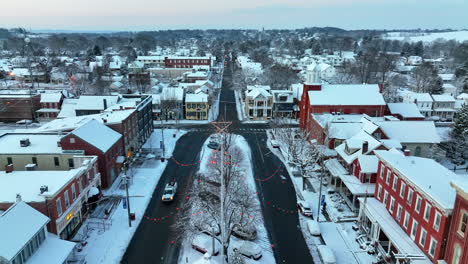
[
  {"x": 189, "y": 255},
  {"x": 108, "y": 245},
  {"x": 239, "y": 105}
]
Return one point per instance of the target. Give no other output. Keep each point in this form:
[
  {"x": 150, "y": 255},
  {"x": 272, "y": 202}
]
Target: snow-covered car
[
  {"x": 246, "y": 232},
  {"x": 326, "y": 254},
  {"x": 304, "y": 208},
  {"x": 274, "y": 143},
  {"x": 313, "y": 227},
  {"x": 204, "y": 243},
  {"x": 249, "y": 249},
  {"x": 169, "y": 192},
  {"x": 295, "y": 171},
  {"x": 208, "y": 228}
]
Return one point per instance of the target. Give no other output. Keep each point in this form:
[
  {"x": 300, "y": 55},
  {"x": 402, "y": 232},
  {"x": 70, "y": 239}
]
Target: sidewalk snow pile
[
  {"x": 107, "y": 243},
  {"x": 207, "y": 155},
  {"x": 239, "y": 105}
]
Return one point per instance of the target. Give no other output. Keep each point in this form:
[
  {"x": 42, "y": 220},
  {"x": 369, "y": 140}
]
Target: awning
[
  {"x": 356, "y": 187},
  {"x": 335, "y": 168}
]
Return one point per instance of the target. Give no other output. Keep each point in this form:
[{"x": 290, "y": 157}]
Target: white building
[
  {"x": 443, "y": 107},
  {"x": 423, "y": 101},
  {"x": 258, "y": 102}
]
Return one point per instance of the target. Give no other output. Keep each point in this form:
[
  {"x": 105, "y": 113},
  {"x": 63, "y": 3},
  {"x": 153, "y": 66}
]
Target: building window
[
  {"x": 414, "y": 229},
  {"x": 418, "y": 204},
  {"x": 437, "y": 220},
  {"x": 56, "y": 161},
  {"x": 389, "y": 173},
  {"x": 402, "y": 190},
  {"x": 463, "y": 223},
  {"x": 71, "y": 163},
  {"x": 457, "y": 252},
  {"x": 385, "y": 197},
  {"x": 422, "y": 237},
  {"x": 432, "y": 247},
  {"x": 34, "y": 160},
  {"x": 72, "y": 140},
  {"x": 66, "y": 199},
  {"x": 58, "y": 206},
  {"x": 9, "y": 160},
  {"x": 427, "y": 211},
  {"x": 379, "y": 191},
  {"x": 392, "y": 204},
  {"x": 409, "y": 199},
  {"x": 406, "y": 220},
  {"x": 73, "y": 192},
  {"x": 398, "y": 213},
  {"x": 382, "y": 169},
  {"x": 395, "y": 183}
]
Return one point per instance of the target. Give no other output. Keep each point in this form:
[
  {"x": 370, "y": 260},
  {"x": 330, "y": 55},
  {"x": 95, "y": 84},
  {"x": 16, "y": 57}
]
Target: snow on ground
[
  {"x": 338, "y": 236},
  {"x": 239, "y": 105},
  {"x": 427, "y": 37},
  {"x": 191, "y": 255},
  {"x": 108, "y": 245},
  {"x": 444, "y": 133}
]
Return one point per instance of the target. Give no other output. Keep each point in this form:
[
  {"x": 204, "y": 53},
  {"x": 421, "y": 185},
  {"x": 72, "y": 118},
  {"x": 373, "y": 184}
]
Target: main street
[{"x": 154, "y": 242}]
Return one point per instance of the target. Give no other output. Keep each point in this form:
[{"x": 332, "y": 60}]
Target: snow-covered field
[
  {"x": 427, "y": 37},
  {"x": 189, "y": 254},
  {"x": 109, "y": 245}
]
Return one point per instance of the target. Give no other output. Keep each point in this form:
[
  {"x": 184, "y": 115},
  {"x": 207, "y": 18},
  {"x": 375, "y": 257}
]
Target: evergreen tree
[
  {"x": 437, "y": 86},
  {"x": 458, "y": 146},
  {"x": 418, "y": 49}
]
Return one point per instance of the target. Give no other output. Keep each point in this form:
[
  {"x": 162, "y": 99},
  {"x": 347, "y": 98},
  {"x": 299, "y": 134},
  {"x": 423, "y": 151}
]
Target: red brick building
[
  {"x": 187, "y": 62},
  {"x": 18, "y": 106},
  {"x": 97, "y": 139},
  {"x": 60, "y": 195},
  {"x": 51, "y": 103}
]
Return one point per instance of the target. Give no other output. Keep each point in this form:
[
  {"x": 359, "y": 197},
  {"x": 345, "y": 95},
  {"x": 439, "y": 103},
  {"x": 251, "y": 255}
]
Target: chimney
[
  {"x": 381, "y": 87},
  {"x": 9, "y": 168},
  {"x": 105, "y": 103},
  {"x": 18, "y": 198},
  {"x": 365, "y": 147},
  {"x": 44, "y": 188},
  {"x": 406, "y": 152}
]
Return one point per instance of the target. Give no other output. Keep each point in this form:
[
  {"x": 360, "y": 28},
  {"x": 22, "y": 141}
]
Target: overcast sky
[{"x": 174, "y": 14}]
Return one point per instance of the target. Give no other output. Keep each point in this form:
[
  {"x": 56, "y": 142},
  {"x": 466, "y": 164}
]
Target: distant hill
[{"x": 427, "y": 37}]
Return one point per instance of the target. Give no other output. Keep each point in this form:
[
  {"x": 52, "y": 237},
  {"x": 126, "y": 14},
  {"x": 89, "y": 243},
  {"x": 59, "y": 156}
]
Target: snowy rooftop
[
  {"x": 391, "y": 143},
  {"x": 196, "y": 98},
  {"x": 68, "y": 108},
  {"x": 172, "y": 93},
  {"x": 18, "y": 225},
  {"x": 425, "y": 174},
  {"x": 282, "y": 93},
  {"x": 335, "y": 168},
  {"x": 443, "y": 98},
  {"x": 410, "y": 131},
  {"x": 343, "y": 130},
  {"x": 51, "y": 97},
  {"x": 447, "y": 76},
  {"x": 420, "y": 97},
  {"x": 39, "y": 143},
  {"x": 257, "y": 91},
  {"x": 357, "y": 142},
  {"x": 95, "y": 102},
  {"x": 97, "y": 135},
  {"x": 297, "y": 89},
  {"x": 368, "y": 163},
  {"x": 356, "y": 187},
  {"x": 52, "y": 250},
  {"x": 350, "y": 94},
  {"x": 13, "y": 183},
  {"x": 406, "y": 110}
]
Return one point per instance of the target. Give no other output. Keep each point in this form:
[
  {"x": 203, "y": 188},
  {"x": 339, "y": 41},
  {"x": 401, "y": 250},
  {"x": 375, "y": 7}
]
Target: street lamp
[{"x": 125, "y": 181}]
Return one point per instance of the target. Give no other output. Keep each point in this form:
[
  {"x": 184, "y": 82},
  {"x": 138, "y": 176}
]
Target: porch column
[{"x": 389, "y": 246}]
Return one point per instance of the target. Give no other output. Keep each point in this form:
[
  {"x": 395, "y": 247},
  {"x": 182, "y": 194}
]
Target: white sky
[{"x": 165, "y": 14}]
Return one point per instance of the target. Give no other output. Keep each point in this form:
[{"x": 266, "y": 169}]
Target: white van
[{"x": 326, "y": 255}]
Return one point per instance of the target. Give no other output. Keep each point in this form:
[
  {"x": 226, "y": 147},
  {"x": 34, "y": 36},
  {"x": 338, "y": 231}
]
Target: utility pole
[
  {"x": 163, "y": 147},
  {"x": 320, "y": 189},
  {"x": 221, "y": 128},
  {"x": 125, "y": 179}
]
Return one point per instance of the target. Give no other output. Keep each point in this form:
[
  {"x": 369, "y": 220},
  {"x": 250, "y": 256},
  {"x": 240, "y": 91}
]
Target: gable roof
[
  {"x": 410, "y": 131},
  {"x": 349, "y": 94},
  {"x": 95, "y": 102},
  {"x": 97, "y": 134},
  {"x": 51, "y": 97},
  {"x": 18, "y": 225},
  {"x": 406, "y": 110}
]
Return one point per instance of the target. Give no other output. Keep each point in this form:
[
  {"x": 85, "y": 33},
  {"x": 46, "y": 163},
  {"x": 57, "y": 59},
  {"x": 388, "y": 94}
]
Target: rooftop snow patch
[
  {"x": 196, "y": 98},
  {"x": 406, "y": 110},
  {"x": 39, "y": 144},
  {"x": 97, "y": 135},
  {"x": 18, "y": 225},
  {"x": 95, "y": 102},
  {"x": 410, "y": 131},
  {"x": 350, "y": 94},
  {"x": 51, "y": 97}
]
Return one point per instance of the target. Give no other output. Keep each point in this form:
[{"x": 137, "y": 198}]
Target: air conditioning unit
[
  {"x": 25, "y": 142},
  {"x": 31, "y": 167}
]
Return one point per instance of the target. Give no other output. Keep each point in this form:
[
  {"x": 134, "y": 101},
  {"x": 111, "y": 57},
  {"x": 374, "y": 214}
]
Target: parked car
[
  {"x": 246, "y": 232},
  {"x": 249, "y": 249},
  {"x": 326, "y": 255},
  {"x": 314, "y": 228},
  {"x": 295, "y": 171},
  {"x": 204, "y": 243},
  {"x": 274, "y": 143},
  {"x": 304, "y": 208},
  {"x": 169, "y": 192}
]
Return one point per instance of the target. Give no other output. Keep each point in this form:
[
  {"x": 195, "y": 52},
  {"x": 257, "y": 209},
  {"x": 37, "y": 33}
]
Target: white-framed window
[
  {"x": 392, "y": 204},
  {"x": 379, "y": 191},
  {"x": 382, "y": 170},
  {"x": 385, "y": 197},
  {"x": 389, "y": 173},
  {"x": 432, "y": 247},
  {"x": 72, "y": 140},
  {"x": 406, "y": 220},
  {"x": 409, "y": 198},
  {"x": 402, "y": 189},
  {"x": 73, "y": 192},
  {"x": 66, "y": 199},
  {"x": 414, "y": 229},
  {"x": 437, "y": 220},
  {"x": 80, "y": 186},
  {"x": 58, "y": 206},
  {"x": 463, "y": 223},
  {"x": 395, "y": 182},
  {"x": 427, "y": 211},
  {"x": 422, "y": 237},
  {"x": 398, "y": 212},
  {"x": 418, "y": 203}
]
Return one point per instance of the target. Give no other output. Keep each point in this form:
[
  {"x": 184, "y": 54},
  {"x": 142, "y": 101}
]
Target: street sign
[{"x": 124, "y": 203}]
